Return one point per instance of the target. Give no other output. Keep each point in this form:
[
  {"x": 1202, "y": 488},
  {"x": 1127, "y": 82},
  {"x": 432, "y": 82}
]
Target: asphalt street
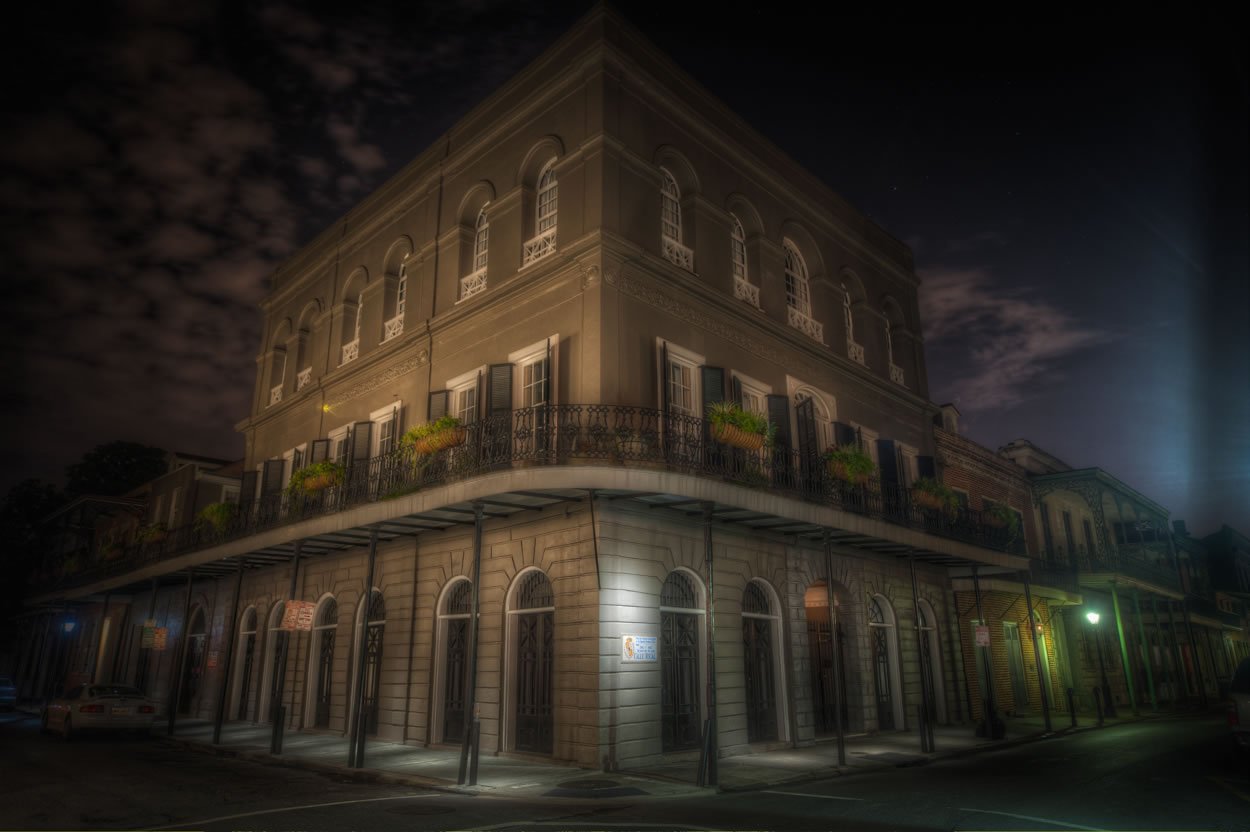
[{"x": 1174, "y": 774}]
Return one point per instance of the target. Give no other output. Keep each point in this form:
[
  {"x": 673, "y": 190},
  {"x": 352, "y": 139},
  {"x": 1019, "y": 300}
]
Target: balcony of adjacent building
[
  {"x": 531, "y": 459},
  {"x": 1148, "y": 566}
]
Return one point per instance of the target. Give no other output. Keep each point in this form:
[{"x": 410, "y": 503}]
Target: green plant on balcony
[
  {"x": 313, "y": 479},
  {"x": 930, "y": 494},
  {"x": 151, "y": 533},
  {"x": 217, "y": 517},
  {"x": 1000, "y": 516},
  {"x": 849, "y": 463},
  {"x": 431, "y": 437},
  {"x": 110, "y": 550},
  {"x": 740, "y": 428}
]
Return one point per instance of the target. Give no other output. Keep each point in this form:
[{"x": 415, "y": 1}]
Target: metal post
[
  {"x": 224, "y": 687},
  {"x": 277, "y": 713},
  {"x": 924, "y": 682},
  {"x": 1193, "y": 647},
  {"x": 47, "y": 653},
  {"x": 990, "y": 717},
  {"x": 1176, "y": 648},
  {"x": 1102, "y": 670},
  {"x": 1037, "y": 653},
  {"x": 1072, "y": 706},
  {"x": 471, "y": 686},
  {"x": 1147, "y": 653},
  {"x": 836, "y": 681},
  {"x": 356, "y": 753},
  {"x": 1128, "y": 668},
  {"x": 708, "y": 771},
  {"x": 175, "y": 687},
  {"x": 99, "y": 637}
]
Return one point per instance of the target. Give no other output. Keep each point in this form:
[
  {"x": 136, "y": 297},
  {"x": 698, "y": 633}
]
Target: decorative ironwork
[
  {"x": 375, "y": 631},
  {"x": 535, "y": 592},
  {"x": 755, "y": 600},
  {"x": 393, "y": 328},
  {"x": 677, "y": 254},
  {"x": 747, "y": 291},
  {"x": 460, "y": 599},
  {"x": 757, "y": 659},
  {"x": 855, "y": 352},
  {"x": 455, "y": 680},
  {"x": 327, "y": 627},
  {"x": 351, "y": 351},
  {"x": 536, "y": 248},
  {"x": 896, "y": 373},
  {"x": 881, "y": 665},
  {"x": 472, "y": 283},
  {"x": 678, "y": 591},
  {"x": 275, "y": 394},
  {"x": 303, "y": 379},
  {"x": 679, "y": 680},
  {"x": 535, "y": 648},
  {"x": 805, "y": 324}
]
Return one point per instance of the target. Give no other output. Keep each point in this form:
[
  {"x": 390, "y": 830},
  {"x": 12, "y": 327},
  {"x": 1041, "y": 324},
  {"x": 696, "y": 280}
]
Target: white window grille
[
  {"x": 393, "y": 328},
  {"x": 481, "y": 240},
  {"x": 401, "y": 292},
  {"x": 805, "y": 324},
  {"x": 279, "y": 376},
  {"x": 275, "y": 394},
  {"x": 303, "y": 379},
  {"x": 473, "y": 283},
  {"x": 548, "y": 198},
  {"x": 854, "y": 351},
  {"x": 538, "y": 247},
  {"x": 339, "y": 444},
  {"x": 351, "y": 351},
  {"x": 670, "y": 207},
  {"x": 385, "y": 423},
  {"x": 464, "y": 402},
  {"x": 798, "y": 295}
]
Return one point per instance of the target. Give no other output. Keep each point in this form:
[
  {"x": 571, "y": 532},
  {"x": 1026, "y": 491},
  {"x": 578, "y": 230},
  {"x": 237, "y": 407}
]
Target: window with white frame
[
  {"x": 798, "y": 294},
  {"x": 481, "y": 239},
  {"x": 868, "y": 441},
  {"x": 360, "y": 308},
  {"x": 738, "y": 249},
  {"x": 754, "y": 394},
  {"x": 385, "y": 426},
  {"x": 401, "y": 292},
  {"x": 909, "y": 464},
  {"x": 670, "y": 207},
  {"x": 464, "y": 400},
  {"x": 823, "y": 408},
  {"x": 339, "y": 444},
  {"x": 682, "y": 377},
  {"x": 292, "y": 461},
  {"x": 548, "y": 198}
]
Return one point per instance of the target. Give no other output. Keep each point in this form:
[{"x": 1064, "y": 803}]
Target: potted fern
[
  {"x": 217, "y": 516},
  {"x": 849, "y": 463},
  {"x": 739, "y": 428},
  {"x": 315, "y": 478},
  {"x": 1000, "y": 516},
  {"x": 444, "y": 432},
  {"x": 933, "y": 495}
]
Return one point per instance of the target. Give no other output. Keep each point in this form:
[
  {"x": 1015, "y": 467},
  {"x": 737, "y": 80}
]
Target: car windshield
[
  {"x": 1241, "y": 679},
  {"x": 114, "y": 690}
]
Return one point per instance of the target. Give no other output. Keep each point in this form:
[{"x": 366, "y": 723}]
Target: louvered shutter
[
  {"x": 549, "y": 384},
  {"x": 271, "y": 478},
  {"x": 500, "y": 393},
  {"x": 481, "y": 398},
  {"x": 496, "y": 444},
  {"x": 887, "y": 453},
  {"x": 247, "y": 490},
  {"x": 712, "y": 382},
  {"x": 782, "y": 464},
  {"x": 844, "y": 434},
  {"x": 737, "y": 391},
  {"x": 664, "y": 371},
  {"x": 320, "y": 451},
  {"x": 809, "y": 445},
  {"x": 362, "y": 442},
  {"x": 438, "y": 404}
]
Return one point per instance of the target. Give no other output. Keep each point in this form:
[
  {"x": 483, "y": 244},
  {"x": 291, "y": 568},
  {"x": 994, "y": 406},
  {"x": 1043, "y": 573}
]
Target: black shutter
[
  {"x": 805, "y": 417},
  {"x": 362, "y": 441},
  {"x": 500, "y": 394},
  {"x": 664, "y": 376},
  {"x": 737, "y": 391},
  {"x": 844, "y": 434},
  {"x": 297, "y": 460},
  {"x": 887, "y": 453},
  {"x": 320, "y": 450},
  {"x": 713, "y": 379},
  {"x": 438, "y": 404},
  {"x": 549, "y": 382},
  {"x": 925, "y": 467},
  {"x": 271, "y": 479},
  {"x": 779, "y": 415},
  {"x": 481, "y": 399},
  {"x": 496, "y": 444},
  {"x": 247, "y": 490}
]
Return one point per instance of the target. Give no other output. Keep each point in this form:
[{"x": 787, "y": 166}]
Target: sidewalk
[{"x": 438, "y": 768}]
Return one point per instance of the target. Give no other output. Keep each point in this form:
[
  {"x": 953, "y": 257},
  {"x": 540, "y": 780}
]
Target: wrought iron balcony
[
  {"x": 570, "y": 435},
  {"x": 1149, "y": 562}
]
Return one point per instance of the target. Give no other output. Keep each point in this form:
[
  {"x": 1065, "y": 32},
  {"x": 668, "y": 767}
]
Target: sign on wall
[
  {"x": 636, "y": 648},
  {"x": 983, "y": 635},
  {"x": 298, "y": 615},
  {"x": 160, "y": 638},
  {"x": 212, "y": 659}
]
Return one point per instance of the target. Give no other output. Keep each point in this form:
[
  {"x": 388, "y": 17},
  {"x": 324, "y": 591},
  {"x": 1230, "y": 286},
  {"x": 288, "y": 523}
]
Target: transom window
[
  {"x": 738, "y": 249},
  {"x": 670, "y": 207},
  {"x": 678, "y": 591},
  {"x": 535, "y": 592},
  {"x": 798, "y": 295},
  {"x": 480, "y": 240},
  {"x": 548, "y": 197}
]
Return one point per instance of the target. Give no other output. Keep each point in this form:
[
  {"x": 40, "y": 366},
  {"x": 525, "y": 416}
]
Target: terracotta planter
[
  {"x": 737, "y": 437},
  {"x": 434, "y": 442},
  {"x": 319, "y": 483},
  {"x": 838, "y": 470},
  {"x": 926, "y": 499}
]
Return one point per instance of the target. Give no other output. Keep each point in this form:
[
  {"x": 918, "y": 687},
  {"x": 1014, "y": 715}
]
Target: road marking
[
  {"x": 207, "y": 821},
  {"x": 1035, "y": 820},
  {"x": 818, "y": 796},
  {"x": 1238, "y": 792}
]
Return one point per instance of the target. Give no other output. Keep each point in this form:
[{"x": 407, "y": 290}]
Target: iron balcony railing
[
  {"x": 633, "y": 437},
  {"x": 1056, "y": 574},
  {"x": 1150, "y": 562}
]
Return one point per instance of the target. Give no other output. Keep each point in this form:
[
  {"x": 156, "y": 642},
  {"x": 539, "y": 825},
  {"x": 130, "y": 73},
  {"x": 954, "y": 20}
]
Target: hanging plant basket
[
  {"x": 318, "y": 483},
  {"x": 313, "y": 479},
  {"x": 736, "y": 437},
  {"x": 443, "y": 439},
  {"x": 839, "y": 470},
  {"x": 929, "y": 500},
  {"x": 994, "y": 521}
]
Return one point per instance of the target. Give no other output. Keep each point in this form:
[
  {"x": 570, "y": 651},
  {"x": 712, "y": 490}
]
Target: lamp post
[{"x": 1108, "y": 707}]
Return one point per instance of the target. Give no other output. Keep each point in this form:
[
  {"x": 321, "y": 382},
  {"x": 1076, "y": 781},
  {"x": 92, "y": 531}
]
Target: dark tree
[{"x": 114, "y": 468}]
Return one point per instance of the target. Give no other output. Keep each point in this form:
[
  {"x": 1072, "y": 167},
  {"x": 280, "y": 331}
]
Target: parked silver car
[
  {"x": 99, "y": 708},
  {"x": 1239, "y": 705}
]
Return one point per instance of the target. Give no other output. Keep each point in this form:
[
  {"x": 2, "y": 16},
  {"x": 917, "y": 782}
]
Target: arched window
[
  {"x": 679, "y": 662},
  {"x": 670, "y": 207},
  {"x": 351, "y": 342},
  {"x": 760, "y": 630},
  {"x": 245, "y": 663},
  {"x": 854, "y": 350},
  {"x": 819, "y": 435},
  {"x": 375, "y": 631},
  {"x": 475, "y": 280},
  {"x": 884, "y": 651},
  {"x": 324, "y": 631},
  {"x": 453, "y": 619},
  {"x": 743, "y": 288},
  {"x": 548, "y": 198},
  {"x": 798, "y": 295},
  {"x": 531, "y": 621}
]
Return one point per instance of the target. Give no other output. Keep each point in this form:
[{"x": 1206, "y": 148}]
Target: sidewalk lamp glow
[
  {"x": 1093, "y": 617},
  {"x": 68, "y": 627}
]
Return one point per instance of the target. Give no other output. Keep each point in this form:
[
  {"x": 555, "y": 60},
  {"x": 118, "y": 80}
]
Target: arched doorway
[
  {"x": 758, "y": 627},
  {"x": 375, "y": 629},
  {"x": 274, "y": 641},
  {"x": 931, "y": 660},
  {"x": 883, "y": 642},
  {"x": 325, "y": 630},
  {"x": 245, "y": 663},
  {"x": 680, "y": 615},
  {"x": 820, "y": 646},
  {"x": 193, "y": 663},
  {"x": 453, "y": 618},
  {"x": 535, "y": 643}
]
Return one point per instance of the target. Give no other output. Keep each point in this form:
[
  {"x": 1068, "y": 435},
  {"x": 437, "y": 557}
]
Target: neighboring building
[
  {"x": 1026, "y": 655},
  {"x": 1214, "y": 617},
  {"x": 1229, "y": 558}
]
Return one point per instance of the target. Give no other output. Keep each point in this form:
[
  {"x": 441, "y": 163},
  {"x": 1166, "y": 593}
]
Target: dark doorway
[
  {"x": 757, "y": 652},
  {"x": 679, "y": 664},
  {"x": 327, "y": 626},
  {"x": 820, "y": 656},
  {"x": 193, "y": 665},
  {"x": 456, "y": 611},
  {"x": 375, "y": 619},
  {"x": 535, "y": 649}
]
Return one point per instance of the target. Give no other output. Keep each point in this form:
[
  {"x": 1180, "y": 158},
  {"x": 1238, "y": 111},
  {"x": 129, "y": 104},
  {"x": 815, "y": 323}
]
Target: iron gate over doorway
[
  {"x": 535, "y": 643},
  {"x": 375, "y": 619},
  {"x": 679, "y": 664},
  {"x": 880, "y": 631},
  {"x": 455, "y": 679},
  {"x": 757, "y": 651},
  {"x": 325, "y": 664},
  {"x": 820, "y": 655}
]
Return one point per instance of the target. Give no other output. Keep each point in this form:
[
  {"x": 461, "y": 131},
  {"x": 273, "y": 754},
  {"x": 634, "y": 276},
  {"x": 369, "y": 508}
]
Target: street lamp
[{"x": 1108, "y": 707}]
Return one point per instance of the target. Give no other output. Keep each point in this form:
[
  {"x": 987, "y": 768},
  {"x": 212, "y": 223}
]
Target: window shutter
[
  {"x": 844, "y": 434},
  {"x": 713, "y": 379},
  {"x": 664, "y": 376},
  {"x": 481, "y": 399},
  {"x": 925, "y": 467},
  {"x": 362, "y": 441},
  {"x": 500, "y": 382},
  {"x": 737, "y": 392},
  {"x": 550, "y": 391},
  {"x": 779, "y": 415},
  {"x": 438, "y": 404},
  {"x": 247, "y": 489},
  {"x": 887, "y": 453},
  {"x": 271, "y": 478},
  {"x": 320, "y": 450}
]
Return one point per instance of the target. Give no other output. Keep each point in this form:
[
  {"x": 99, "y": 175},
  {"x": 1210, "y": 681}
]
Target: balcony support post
[
  {"x": 1038, "y": 633},
  {"x": 708, "y": 772},
  {"x": 836, "y": 682},
  {"x": 224, "y": 686},
  {"x": 1128, "y": 666},
  {"x": 1182, "y": 671},
  {"x": 990, "y": 726},
  {"x": 927, "y": 714},
  {"x": 1193, "y": 648},
  {"x": 99, "y": 636},
  {"x": 1147, "y": 653},
  {"x": 470, "y": 734},
  {"x": 356, "y": 736},
  {"x": 179, "y": 668}
]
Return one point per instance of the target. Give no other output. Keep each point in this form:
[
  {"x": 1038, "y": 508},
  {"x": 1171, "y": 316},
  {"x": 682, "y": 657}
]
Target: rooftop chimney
[{"x": 950, "y": 418}]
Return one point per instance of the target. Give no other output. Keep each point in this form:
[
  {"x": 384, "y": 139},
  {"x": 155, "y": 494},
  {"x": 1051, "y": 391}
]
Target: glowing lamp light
[
  {"x": 325, "y": 408},
  {"x": 68, "y": 626},
  {"x": 1093, "y": 617}
]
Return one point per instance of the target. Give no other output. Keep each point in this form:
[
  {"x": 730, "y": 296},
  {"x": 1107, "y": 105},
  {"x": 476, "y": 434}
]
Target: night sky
[{"x": 1075, "y": 193}]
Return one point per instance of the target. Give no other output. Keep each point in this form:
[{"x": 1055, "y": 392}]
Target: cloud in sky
[{"x": 1008, "y": 341}]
